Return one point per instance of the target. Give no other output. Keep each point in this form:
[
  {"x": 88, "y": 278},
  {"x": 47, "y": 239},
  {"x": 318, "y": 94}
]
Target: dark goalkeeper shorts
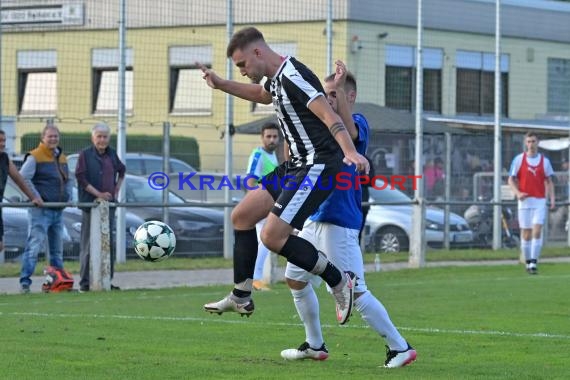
[{"x": 299, "y": 191}]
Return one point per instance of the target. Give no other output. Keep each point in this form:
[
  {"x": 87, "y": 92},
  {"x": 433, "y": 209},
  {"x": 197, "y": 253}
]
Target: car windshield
[{"x": 387, "y": 195}]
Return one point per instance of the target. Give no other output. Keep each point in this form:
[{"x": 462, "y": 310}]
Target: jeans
[{"x": 43, "y": 222}]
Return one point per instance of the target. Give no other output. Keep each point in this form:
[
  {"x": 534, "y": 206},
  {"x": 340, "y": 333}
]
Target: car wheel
[{"x": 390, "y": 240}]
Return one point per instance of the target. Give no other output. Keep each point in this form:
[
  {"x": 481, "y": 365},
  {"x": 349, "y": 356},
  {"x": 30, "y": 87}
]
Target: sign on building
[{"x": 64, "y": 14}]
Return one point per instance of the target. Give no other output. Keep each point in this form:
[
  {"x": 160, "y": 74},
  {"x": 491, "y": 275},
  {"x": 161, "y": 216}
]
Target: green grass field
[{"x": 491, "y": 322}]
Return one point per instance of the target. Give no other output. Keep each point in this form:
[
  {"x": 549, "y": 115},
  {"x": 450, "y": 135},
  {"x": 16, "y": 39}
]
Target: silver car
[{"x": 389, "y": 226}]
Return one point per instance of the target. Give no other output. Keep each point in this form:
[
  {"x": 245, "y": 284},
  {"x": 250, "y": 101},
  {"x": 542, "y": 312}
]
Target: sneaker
[
  {"x": 532, "y": 270},
  {"x": 305, "y": 352},
  {"x": 260, "y": 285},
  {"x": 113, "y": 287},
  {"x": 344, "y": 296},
  {"x": 397, "y": 359},
  {"x": 84, "y": 289},
  {"x": 228, "y": 304},
  {"x": 24, "y": 288}
]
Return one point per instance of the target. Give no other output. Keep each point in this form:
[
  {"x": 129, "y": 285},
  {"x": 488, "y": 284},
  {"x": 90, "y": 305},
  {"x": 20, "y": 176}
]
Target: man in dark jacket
[{"x": 99, "y": 174}]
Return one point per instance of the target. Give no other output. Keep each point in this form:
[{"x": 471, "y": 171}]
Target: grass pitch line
[{"x": 219, "y": 320}]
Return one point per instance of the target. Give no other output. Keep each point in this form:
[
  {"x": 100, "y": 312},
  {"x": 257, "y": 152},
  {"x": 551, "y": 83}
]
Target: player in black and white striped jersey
[{"x": 318, "y": 144}]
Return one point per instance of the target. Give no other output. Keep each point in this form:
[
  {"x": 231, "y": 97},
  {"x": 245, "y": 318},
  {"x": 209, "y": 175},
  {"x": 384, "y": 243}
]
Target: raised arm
[
  {"x": 343, "y": 107},
  {"x": 320, "y": 107},
  {"x": 249, "y": 91}
]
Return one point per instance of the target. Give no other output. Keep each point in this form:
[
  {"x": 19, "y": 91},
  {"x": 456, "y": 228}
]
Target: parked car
[
  {"x": 199, "y": 230},
  {"x": 16, "y": 226},
  {"x": 142, "y": 164},
  {"x": 16, "y": 235},
  {"x": 388, "y": 227},
  {"x": 207, "y": 187}
]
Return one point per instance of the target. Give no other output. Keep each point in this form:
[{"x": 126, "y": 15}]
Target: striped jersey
[{"x": 292, "y": 89}]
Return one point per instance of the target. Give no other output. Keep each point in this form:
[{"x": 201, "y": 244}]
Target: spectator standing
[
  {"x": 262, "y": 161},
  {"x": 530, "y": 178},
  {"x": 46, "y": 173},
  {"x": 434, "y": 177},
  {"x": 99, "y": 174}
]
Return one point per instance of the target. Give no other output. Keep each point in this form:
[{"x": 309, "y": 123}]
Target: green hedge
[{"x": 183, "y": 148}]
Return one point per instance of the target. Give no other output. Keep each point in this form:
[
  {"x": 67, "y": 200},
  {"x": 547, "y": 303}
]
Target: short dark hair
[
  {"x": 269, "y": 125},
  {"x": 531, "y": 134},
  {"x": 2, "y": 132},
  {"x": 48, "y": 126},
  {"x": 242, "y": 38},
  {"x": 350, "y": 83}
]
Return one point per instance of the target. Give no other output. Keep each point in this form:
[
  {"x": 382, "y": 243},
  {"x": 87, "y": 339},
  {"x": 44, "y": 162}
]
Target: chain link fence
[{"x": 61, "y": 61}]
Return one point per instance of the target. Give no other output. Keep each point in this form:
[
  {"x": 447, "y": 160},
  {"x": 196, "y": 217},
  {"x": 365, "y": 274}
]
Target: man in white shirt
[{"x": 530, "y": 178}]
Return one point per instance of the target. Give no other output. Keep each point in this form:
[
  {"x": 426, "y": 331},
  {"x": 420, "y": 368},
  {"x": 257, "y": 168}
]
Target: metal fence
[{"x": 133, "y": 64}]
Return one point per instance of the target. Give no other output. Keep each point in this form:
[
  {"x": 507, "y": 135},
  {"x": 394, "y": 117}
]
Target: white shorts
[
  {"x": 259, "y": 227},
  {"x": 528, "y": 217},
  {"x": 341, "y": 246}
]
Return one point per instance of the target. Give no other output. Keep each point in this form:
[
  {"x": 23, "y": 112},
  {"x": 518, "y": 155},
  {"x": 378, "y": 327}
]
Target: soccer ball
[{"x": 154, "y": 241}]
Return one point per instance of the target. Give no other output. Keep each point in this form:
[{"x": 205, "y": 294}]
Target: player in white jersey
[{"x": 530, "y": 178}]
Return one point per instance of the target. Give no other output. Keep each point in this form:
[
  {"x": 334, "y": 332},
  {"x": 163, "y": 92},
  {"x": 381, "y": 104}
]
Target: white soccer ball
[{"x": 154, "y": 241}]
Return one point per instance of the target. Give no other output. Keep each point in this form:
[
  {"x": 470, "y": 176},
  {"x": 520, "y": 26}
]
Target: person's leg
[
  {"x": 84, "y": 250},
  {"x": 262, "y": 253},
  {"x": 55, "y": 238},
  {"x": 536, "y": 242},
  {"x": 291, "y": 210},
  {"x": 252, "y": 208},
  {"x": 300, "y": 283},
  {"x": 525, "y": 224},
  {"x": 36, "y": 236}
]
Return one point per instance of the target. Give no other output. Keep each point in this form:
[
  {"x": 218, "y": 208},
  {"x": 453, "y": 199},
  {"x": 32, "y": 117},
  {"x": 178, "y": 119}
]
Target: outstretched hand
[
  {"x": 211, "y": 78},
  {"x": 340, "y": 74}
]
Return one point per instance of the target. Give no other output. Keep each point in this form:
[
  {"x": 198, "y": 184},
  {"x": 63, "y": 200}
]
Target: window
[
  {"x": 400, "y": 82},
  {"x": 37, "y": 83},
  {"x": 105, "y": 98},
  {"x": 285, "y": 49},
  {"x": 187, "y": 92},
  {"x": 558, "y": 86},
  {"x": 475, "y": 87}
]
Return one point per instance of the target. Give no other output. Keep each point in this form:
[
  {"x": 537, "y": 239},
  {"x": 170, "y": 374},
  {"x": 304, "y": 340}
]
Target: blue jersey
[{"x": 343, "y": 208}]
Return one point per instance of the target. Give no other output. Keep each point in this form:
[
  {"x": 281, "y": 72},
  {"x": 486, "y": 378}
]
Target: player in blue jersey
[{"x": 337, "y": 223}]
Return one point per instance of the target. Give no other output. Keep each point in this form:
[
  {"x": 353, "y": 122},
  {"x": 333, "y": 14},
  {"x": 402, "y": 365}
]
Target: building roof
[{"x": 380, "y": 119}]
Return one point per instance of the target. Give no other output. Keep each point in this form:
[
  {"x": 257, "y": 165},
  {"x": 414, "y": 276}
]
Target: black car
[
  {"x": 199, "y": 230},
  {"x": 16, "y": 227}
]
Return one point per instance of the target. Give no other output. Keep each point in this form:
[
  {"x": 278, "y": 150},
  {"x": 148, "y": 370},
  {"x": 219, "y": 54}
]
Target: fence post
[
  {"x": 417, "y": 257},
  {"x": 99, "y": 248}
]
